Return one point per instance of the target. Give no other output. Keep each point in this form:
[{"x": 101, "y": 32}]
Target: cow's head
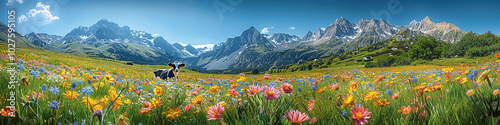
[{"x": 176, "y": 66}]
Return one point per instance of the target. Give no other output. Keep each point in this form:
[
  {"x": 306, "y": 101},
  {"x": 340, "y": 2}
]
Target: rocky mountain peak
[{"x": 427, "y": 20}]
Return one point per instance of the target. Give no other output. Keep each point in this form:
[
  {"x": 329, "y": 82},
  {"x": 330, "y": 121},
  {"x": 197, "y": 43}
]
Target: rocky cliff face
[{"x": 442, "y": 31}]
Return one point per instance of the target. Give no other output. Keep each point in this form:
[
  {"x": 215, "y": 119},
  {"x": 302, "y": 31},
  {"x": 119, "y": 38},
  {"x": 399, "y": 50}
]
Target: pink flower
[
  {"x": 37, "y": 95},
  {"x": 252, "y": 90},
  {"x": 286, "y": 88},
  {"x": 395, "y": 96},
  {"x": 146, "y": 103},
  {"x": 215, "y": 112},
  {"x": 188, "y": 107},
  {"x": 138, "y": 92},
  {"x": 313, "y": 120},
  {"x": 194, "y": 92},
  {"x": 310, "y": 106},
  {"x": 233, "y": 92},
  {"x": 242, "y": 74},
  {"x": 360, "y": 115},
  {"x": 334, "y": 86},
  {"x": 296, "y": 117},
  {"x": 271, "y": 93}
]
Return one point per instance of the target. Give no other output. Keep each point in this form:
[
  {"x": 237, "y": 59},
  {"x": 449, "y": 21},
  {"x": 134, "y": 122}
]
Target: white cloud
[
  {"x": 265, "y": 30},
  {"x": 23, "y": 18},
  {"x": 291, "y": 28},
  {"x": 10, "y": 2},
  {"x": 41, "y": 14}
]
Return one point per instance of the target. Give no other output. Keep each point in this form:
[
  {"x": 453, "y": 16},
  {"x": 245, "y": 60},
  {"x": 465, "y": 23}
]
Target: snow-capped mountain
[{"x": 204, "y": 47}]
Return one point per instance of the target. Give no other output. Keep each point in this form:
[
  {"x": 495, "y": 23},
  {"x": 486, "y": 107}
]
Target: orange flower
[
  {"x": 382, "y": 102},
  {"x": 405, "y": 110},
  {"x": 379, "y": 78},
  {"x": 173, "y": 114},
  {"x": 334, "y": 86},
  {"x": 197, "y": 100},
  {"x": 470, "y": 92},
  {"x": 322, "y": 90},
  {"x": 497, "y": 55}
]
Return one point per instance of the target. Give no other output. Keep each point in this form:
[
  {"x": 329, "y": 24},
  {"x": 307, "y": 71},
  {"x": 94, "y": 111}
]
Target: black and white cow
[{"x": 167, "y": 74}]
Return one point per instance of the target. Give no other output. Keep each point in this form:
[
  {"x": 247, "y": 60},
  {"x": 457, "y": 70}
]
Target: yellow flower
[
  {"x": 241, "y": 79},
  {"x": 158, "y": 91},
  {"x": 439, "y": 87},
  {"x": 223, "y": 103},
  {"x": 105, "y": 100},
  {"x": 348, "y": 101},
  {"x": 470, "y": 92},
  {"x": 197, "y": 100},
  {"x": 109, "y": 78},
  {"x": 71, "y": 94},
  {"x": 371, "y": 95},
  {"x": 65, "y": 85},
  {"x": 63, "y": 72},
  {"x": 101, "y": 84},
  {"x": 95, "y": 86},
  {"x": 91, "y": 103},
  {"x": 214, "y": 89},
  {"x": 122, "y": 120},
  {"x": 26, "y": 80},
  {"x": 382, "y": 102},
  {"x": 156, "y": 102},
  {"x": 483, "y": 77},
  {"x": 131, "y": 88},
  {"x": 127, "y": 101},
  {"x": 495, "y": 93},
  {"x": 87, "y": 76},
  {"x": 173, "y": 114}
]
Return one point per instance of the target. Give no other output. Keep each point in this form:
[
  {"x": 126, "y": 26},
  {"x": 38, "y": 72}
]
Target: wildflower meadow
[{"x": 56, "y": 88}]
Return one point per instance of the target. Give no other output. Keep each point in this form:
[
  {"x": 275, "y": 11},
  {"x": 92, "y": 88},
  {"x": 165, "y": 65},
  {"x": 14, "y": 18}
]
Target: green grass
[{"x": 448, "y": 106}]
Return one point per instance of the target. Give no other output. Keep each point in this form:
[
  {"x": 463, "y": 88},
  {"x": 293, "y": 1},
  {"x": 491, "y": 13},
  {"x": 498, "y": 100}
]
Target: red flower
[{"x": 360, "y": 115}]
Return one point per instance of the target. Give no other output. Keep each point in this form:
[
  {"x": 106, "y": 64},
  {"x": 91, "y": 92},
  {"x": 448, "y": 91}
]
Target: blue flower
[
  {"x": 314, "y": 87},
  {"x": 389, "y": 92},
  {"x": 300, "y": 88},
  {"x": 80, "y": 81},
  {"x": 54, "y": 89},
  {"x": 73, "y": 85},
  {"x": 41, "y": 69},
  {"x": 474, "y": 72},
  {"x": 35, "y": 74},
  {"x": 344, "y": 112},
  {"x": 87, "y": 90},
  {"x": 414, "y": 79},
  {"x": 54, "y": 105},
  {"x": 312, "y": 80},
  {"x": 471, "y": 76},
  {"x": 307, "y": 98},
  {"x": 44, "y": 87},
  {"x": 83, "y": 122}
]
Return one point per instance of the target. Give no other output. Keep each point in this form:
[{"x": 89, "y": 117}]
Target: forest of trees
[{"x": 476, "y": 45}]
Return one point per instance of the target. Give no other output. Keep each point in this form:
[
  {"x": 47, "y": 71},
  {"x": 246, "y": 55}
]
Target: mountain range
[{"x": 249, "y": 50}]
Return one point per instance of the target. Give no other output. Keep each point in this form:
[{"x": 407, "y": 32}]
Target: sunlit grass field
[{"x": 57, "y": 88}]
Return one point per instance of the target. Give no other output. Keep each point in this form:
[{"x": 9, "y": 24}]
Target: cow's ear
[
  {"x": 170, "y": 64},
  {"x": 182, "y": 65}
]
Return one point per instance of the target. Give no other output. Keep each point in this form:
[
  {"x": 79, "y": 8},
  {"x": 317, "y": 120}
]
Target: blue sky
[{"x": 200, "y": 22}]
